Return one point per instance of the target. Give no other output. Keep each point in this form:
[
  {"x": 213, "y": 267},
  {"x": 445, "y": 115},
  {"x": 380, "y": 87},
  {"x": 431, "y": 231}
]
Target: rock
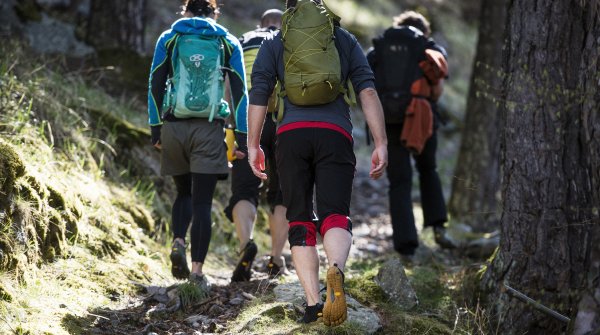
[
  {"x": 152, "y": 290},
  {"x": 248, "y": 296},
  {"x": 366, "y": 319},
  {"x": 51, "y": 36},
  {"x": 236, "y": 301},
  {"x": 394, "y": 282},
  {"x": 197, "y": 318},
  {"x": 483, "y": 247}
]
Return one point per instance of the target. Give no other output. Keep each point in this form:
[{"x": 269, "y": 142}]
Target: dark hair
[
  {"x": 413, "y": 19},
  {"x": 200, "y": 7}
]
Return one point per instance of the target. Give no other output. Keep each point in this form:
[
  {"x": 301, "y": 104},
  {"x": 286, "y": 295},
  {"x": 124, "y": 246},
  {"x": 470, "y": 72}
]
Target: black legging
[{"x": 194, "y": 201}]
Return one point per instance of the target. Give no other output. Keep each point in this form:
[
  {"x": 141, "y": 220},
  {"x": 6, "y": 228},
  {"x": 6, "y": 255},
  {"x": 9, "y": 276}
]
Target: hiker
[
  {"x": 245, "y": 186},
  {"x": 186, "y": 113},
  {"x": 409, "y": 71},
  {"x": 314, "y": 143}
]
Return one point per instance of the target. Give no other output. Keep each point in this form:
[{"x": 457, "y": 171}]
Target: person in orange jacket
[{"x": 409, "y": 72}]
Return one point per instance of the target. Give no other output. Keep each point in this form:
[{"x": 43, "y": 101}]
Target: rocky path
[{"x": 161, "y": 310}]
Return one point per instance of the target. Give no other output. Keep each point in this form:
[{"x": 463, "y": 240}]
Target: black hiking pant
[{"x": 399, "y": 172}]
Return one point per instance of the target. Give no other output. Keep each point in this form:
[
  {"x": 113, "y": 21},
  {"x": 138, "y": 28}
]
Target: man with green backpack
[
  {"x": 186, "y": 113},
  {"x": 317, "y": 64}
]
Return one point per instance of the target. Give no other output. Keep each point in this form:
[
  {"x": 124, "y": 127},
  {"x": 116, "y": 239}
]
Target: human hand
[
  {"x": 256, "y": 158},
  {"x": 155, "y": 140},
  {"x": 378, "y": 161},
  {"x": 239, "y": 154}
]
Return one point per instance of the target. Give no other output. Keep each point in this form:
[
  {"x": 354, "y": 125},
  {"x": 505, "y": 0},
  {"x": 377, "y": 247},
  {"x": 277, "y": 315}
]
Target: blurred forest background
[{"x": 84, "y": 214}]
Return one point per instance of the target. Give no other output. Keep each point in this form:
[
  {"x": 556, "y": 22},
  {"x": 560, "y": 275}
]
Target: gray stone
[
  {"x": 483, "y": 247},
  {"x": 236, "y": 301},
  {"x": 51, "y": 36},
  {"x": 366, "y": 319},
  {"x": 197, "y": 318},
  {"x": 394, "y": 282}
]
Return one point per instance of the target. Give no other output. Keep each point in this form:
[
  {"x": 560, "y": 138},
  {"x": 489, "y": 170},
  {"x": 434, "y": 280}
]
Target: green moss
[
  {"x": 4, "y": 295},
  {"x": 429, "y": 286},
  {"x": 11, "y": 168},
  {"x": 128, "y": 135},
  {"x": 55, "y": 199},
  {"x": 363, "y": 288}
]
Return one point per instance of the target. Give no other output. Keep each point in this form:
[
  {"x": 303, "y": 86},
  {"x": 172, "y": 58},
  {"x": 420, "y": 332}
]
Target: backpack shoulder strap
[{"x": 170, "y": 51}]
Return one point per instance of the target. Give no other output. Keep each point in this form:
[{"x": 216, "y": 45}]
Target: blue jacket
[{"x": 235, "y": 69}]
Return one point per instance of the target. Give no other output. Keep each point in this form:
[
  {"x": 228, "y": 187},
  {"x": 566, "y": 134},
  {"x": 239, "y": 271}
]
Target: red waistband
[{"x": 314, "y": 124}]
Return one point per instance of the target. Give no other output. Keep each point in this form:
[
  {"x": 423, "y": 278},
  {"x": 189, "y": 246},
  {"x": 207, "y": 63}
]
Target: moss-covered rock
[
  {"x": 11, "y": 168},
  {"x": 131, "y": 69},
  {"x": 4, "y": 295}
]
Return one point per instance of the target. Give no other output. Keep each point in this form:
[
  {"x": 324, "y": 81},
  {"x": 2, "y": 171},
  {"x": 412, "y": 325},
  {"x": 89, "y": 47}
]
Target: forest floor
[{"x": 438, "y": 276}]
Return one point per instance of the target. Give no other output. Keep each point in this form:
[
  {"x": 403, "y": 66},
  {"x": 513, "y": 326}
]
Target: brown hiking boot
[{"x": 335, "y": 311}]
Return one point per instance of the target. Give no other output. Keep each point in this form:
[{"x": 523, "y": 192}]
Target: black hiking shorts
[{"x": 320, "y": 160}]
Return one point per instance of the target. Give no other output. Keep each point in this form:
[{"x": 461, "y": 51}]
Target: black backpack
[{"x": 397, "y": 56}]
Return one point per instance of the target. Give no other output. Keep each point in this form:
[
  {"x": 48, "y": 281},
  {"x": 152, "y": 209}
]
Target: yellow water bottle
[{"x": 230, "y": 141}]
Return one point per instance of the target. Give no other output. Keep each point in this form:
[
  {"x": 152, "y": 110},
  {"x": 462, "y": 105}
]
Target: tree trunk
[
  {"x": 117, "y": 24},
  {"x": 475, "y": 187},
  {"x": 551, "y": 164}
]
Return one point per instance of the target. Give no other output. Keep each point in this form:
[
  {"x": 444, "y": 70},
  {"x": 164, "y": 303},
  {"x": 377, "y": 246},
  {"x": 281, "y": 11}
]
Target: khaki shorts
[{"x": 193, "y": 145}]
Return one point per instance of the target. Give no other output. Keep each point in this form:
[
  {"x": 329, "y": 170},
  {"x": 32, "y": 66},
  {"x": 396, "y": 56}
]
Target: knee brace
[
  {"x": 302, "y": 234},
  {"x": 335, "y": 221}
]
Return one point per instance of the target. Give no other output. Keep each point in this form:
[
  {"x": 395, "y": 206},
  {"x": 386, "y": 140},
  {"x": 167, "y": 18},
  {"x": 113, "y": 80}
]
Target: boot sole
[
  {"x": 335, "y": 311},
  {"x": 179, "y": 268}
]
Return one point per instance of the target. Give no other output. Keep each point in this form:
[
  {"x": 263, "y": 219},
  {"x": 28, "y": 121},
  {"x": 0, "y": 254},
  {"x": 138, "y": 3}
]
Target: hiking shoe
[
  {"x": 243, "y": 271},
  {"x": 275, "y": 270},
  {"x": 312, "y": 313},
  {"x": 200, "y": 281},
  {"x": 335, "y": 310},
  {"x": 179, "y": 267},
  {"x": 442, "y": 239}
]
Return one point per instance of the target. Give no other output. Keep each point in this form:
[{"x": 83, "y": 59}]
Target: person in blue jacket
[{"x": 192, "y": 148}]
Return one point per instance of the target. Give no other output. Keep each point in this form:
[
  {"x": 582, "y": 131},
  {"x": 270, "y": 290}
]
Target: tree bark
[
  {"x": 117, "y": 24},
  {"x": 476, "y": 184},
  {"x": 551, "y": 164}
]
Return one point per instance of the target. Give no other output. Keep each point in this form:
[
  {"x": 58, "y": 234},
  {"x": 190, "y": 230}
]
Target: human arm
[
  {"x": 264, "y": 76},
  {"x": 437, "y": 90},
  {"x": 236, "y": 77},
  {"x": 373, "y": 111},
  {"x": 159, "y": 73},
  {"x": 256, "y": 156}
]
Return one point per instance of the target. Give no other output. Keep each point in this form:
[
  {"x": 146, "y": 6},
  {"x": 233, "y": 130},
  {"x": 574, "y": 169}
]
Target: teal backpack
[{"x": 195, "y": 87}]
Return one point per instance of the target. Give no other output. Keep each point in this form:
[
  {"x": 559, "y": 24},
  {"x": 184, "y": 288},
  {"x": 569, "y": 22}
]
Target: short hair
[
  {"x": 200, "y": 7},
  {"x": 413, "y": 19},
  {"x": 271, "y": 17}
]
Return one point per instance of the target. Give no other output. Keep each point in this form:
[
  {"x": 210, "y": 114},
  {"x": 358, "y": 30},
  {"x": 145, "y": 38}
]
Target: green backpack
[
  {"x": 195, "y": 89},
  {"x": 312, "y": 70}
]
